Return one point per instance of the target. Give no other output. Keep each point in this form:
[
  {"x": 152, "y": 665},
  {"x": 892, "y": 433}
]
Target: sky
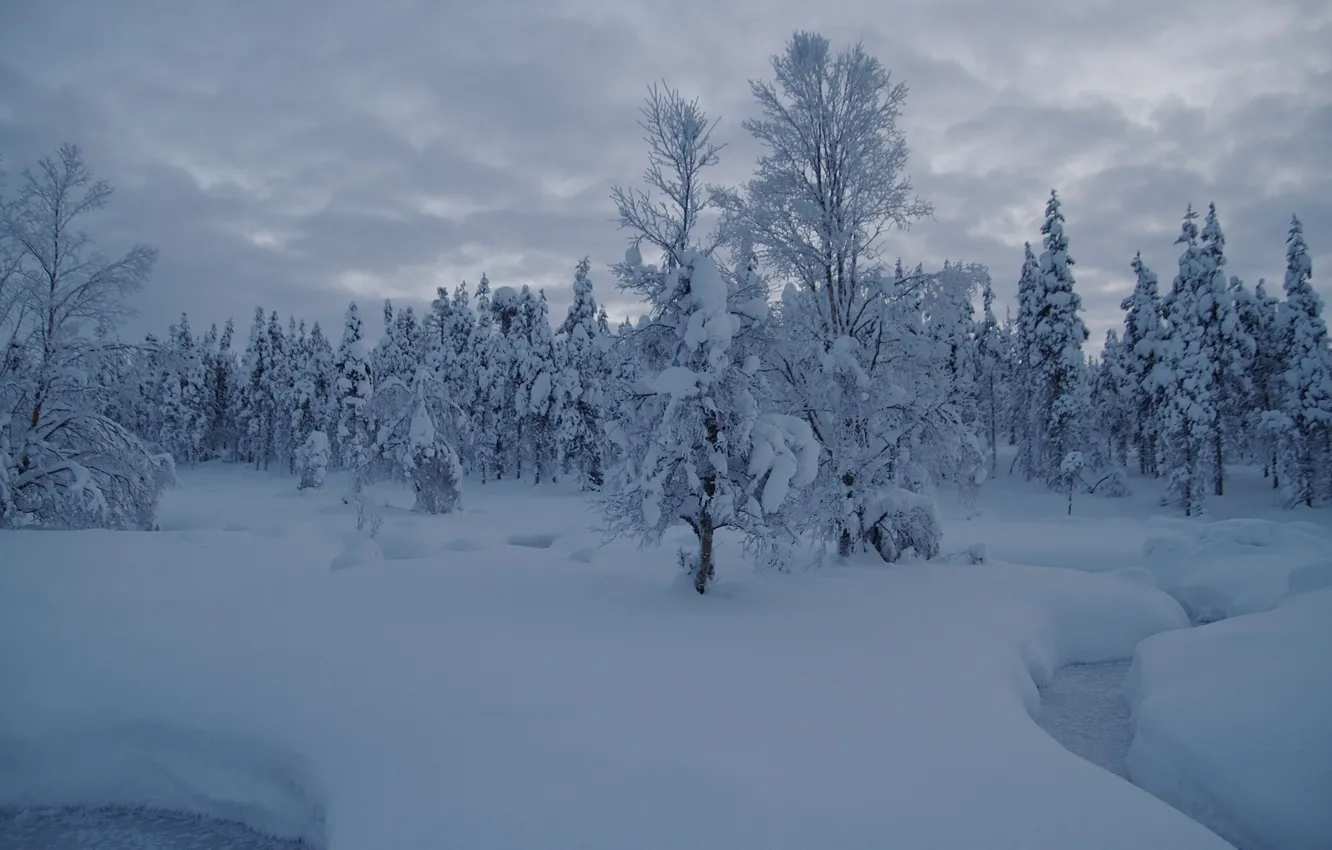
[{"x": 297, "y": 154}]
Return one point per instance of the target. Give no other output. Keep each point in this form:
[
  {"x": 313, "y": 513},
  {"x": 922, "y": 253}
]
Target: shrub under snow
[{"x": 312, "y": 460}]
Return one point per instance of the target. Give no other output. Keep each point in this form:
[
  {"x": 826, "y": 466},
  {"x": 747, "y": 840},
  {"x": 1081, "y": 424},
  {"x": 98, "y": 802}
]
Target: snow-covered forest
[
  {"x": 788, "y": 380},
  {"x": 782, "y": 348}
]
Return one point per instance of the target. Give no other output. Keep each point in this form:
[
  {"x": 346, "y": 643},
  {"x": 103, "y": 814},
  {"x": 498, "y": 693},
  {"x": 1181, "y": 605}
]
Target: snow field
[{"x": 505, "y": 680}]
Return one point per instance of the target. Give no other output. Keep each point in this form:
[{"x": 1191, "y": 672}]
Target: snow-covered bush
[
  {"x": 82, "y": 471},
  {"x": 900, "y": 523},
  {"x": 312, "y": 460},
  {"x": 1113, "y": 484}
]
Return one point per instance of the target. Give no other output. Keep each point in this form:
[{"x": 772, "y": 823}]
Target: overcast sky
[{"x": 298, "y": 154}]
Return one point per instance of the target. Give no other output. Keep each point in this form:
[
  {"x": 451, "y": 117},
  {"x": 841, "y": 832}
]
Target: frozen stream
[
  {"x": 114, "y": 828},
  {"x": 1083, "y": 709}
]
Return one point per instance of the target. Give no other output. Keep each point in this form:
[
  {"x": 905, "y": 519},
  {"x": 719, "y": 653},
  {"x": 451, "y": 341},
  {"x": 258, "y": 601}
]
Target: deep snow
[
  {"x": 1234, "y": 723},
  {"x": 499, "y": 678}
]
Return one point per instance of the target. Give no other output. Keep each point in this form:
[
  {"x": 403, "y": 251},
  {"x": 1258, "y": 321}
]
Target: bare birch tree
[{"x": 67, "y": 463}]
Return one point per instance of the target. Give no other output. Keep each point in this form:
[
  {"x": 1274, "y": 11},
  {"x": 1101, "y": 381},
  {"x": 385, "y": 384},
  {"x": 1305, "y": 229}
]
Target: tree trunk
[
  {"x": 703, "y": 573},
  {"x": 846, "y": 540},
  {"x": 1220, "y": 466}
]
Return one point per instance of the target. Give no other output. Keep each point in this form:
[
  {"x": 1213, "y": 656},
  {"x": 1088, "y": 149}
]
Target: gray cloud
[{"x": 303, "y": 153}]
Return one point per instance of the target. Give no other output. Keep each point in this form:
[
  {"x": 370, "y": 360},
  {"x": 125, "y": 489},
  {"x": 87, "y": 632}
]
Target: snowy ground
[
  {"x": 499, "y": 678},
  {"x": 107, "y": 828}
]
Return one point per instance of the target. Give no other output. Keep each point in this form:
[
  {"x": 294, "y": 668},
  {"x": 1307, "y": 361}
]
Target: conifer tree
[
  {"x": 355, "y": 388},
  {"x": 991, "y": 356},
  {"x": 1059, "y": 334},
  {"x": 1142, "y": 358},
  {"x": 1228, "y": 348},
  {"x": 1188, "y": 417},
  {"x": 1026, "y": 368},
  {"x": 1306, "y": 399}
]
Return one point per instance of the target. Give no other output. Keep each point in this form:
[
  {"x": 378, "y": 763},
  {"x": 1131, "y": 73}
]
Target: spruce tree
[
  {"x": 1306, "y": 397},
  {"x": 1227, "y": 346},
  {"x": 1025, "y": 368},
  {"x": 1188, "y": 417},
  {"x": 1142, "y": 357},
  {"x": 991, "y": 356},
  {"x": 355, "y": 388},
  {"x": 1059, "y": 335}
]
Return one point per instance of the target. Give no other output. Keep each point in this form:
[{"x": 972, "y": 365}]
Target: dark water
[
  {"x": 115, "y": 828},
  {"x": 1083, "y": 709}
]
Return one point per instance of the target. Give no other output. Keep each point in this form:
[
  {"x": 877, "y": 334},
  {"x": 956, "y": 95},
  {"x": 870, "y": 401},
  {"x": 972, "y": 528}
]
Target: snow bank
[
  {"x": 1233, "y": 567},
  {"x": 497, "y": 695},
  {"x": 1233, "y": 725},
  {"x": 1073, "y": 617}
]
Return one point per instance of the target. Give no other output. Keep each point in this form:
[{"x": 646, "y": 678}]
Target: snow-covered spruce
[
  {"x": 355, "y": 388},
  {"x": 1187, "y": 376},
  {"x": 1058, "y": 366},
  {"x": 1143, "y": 353},
  {"x": 1304, "y": 420}
]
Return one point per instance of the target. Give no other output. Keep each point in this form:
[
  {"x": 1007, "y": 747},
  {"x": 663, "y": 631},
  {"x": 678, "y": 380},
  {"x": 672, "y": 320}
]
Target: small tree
[
  {"x": 695, "y": 445},
  {"x": 1070, "y": 475},
  {"x": 312, "y": 461}
]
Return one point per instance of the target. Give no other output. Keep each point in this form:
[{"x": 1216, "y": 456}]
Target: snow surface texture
[
  {"x": 1232, "y": 723},
  {"x": 475, "y": 693},
  {"x": 108, "y": 828}
]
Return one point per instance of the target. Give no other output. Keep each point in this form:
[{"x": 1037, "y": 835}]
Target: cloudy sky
[{"x": 298, "y": 154}]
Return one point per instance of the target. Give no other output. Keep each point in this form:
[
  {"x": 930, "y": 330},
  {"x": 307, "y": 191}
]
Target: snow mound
[
  {"x": 358, "y": 550},
  {"x": 404, "y": 541},
  {"x": 533, "y": 541},
  {"x": 1232, "y": 723},
  {"x": 168, "y": 768},
  {"x": 1225, "y": 569},
  {"x": 1312, "y": 576}
]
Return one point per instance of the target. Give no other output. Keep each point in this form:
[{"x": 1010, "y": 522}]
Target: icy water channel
[
  {"x": 115, "y": 828},
  {"x": 1083, "y": 709}
]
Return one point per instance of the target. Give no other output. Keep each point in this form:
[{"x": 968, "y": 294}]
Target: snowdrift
[{"x": 1232, "y": 723}]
